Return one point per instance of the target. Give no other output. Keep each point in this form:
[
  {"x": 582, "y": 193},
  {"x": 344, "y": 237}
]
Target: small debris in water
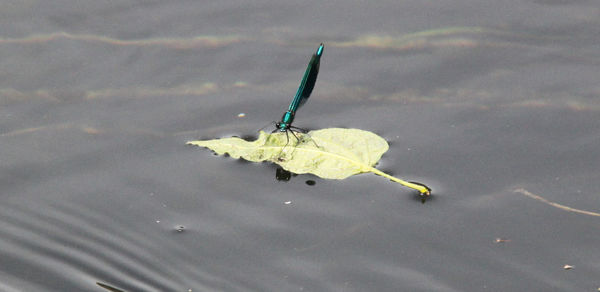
[
  {"x": 109, "y": 288},
  {"x": 568, "y": 267},
  {"x": 499, "y": 240},
  {"x": 287, "y": 202},
  {"x": 241, "y": 115},
  {"x": 310, "y": 182}
]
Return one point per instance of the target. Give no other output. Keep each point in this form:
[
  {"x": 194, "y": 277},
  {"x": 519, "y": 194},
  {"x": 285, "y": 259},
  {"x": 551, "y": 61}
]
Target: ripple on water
[{"x": 71, "y": 247}]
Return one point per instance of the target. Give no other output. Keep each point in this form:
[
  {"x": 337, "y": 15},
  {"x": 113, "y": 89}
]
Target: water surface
[{"x": 483, "y": 102}]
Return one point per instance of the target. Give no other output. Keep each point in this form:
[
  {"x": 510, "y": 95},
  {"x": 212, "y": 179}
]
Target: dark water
[{"x": 493, "y": 105}]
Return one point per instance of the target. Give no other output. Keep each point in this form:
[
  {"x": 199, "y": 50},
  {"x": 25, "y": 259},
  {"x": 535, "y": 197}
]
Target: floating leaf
[{"x": 332, "y": 153}]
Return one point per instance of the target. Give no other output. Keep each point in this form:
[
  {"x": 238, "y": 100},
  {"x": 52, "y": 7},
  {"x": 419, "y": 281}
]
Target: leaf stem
[{"x": 422, "y": 189}]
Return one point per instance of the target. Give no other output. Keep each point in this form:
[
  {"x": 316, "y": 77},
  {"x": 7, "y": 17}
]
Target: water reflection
[{"x": 282, "y": 174}]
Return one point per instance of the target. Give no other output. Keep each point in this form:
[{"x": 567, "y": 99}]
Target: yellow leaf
[{"x": 332, "y": 153}]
